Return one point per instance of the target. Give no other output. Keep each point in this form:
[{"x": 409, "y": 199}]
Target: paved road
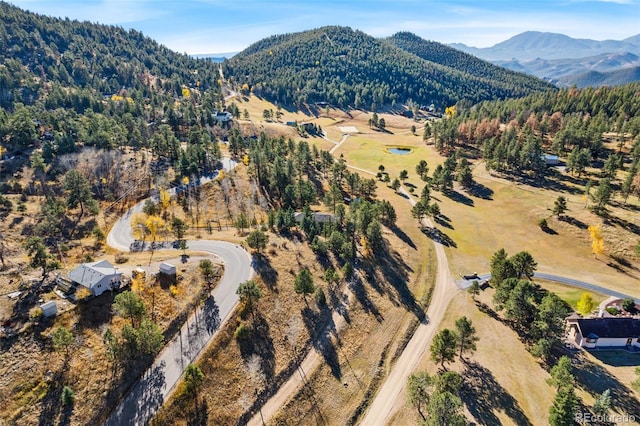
[
  {"x": 148, "y": 394},
  {"x": 562, "y": 280}
]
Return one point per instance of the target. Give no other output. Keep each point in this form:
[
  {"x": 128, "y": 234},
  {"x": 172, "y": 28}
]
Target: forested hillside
[
  {"x": 597, "y": 79},
  {"x": 515, "y": 82},
  {"x": 571, "y": 123},
  {"x": 66, "y": 84},
  {"x": 79, "y": 100},
  {"x": 352, "y": 69}
]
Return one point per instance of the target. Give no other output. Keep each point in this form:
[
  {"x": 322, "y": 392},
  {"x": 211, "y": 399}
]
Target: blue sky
[{"x": 215, "y": 26}]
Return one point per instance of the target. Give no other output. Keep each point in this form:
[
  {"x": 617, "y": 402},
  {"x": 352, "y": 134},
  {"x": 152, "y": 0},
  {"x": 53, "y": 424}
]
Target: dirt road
[
  {"x": 391, "y": 395},
  {"x": 312, "y": 361}
]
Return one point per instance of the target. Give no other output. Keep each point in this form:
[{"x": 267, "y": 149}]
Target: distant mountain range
[{"x": 566, "y": 61}]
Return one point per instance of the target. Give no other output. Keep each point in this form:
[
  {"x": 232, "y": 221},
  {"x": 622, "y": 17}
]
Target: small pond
[{"x": 399, "y": 151}]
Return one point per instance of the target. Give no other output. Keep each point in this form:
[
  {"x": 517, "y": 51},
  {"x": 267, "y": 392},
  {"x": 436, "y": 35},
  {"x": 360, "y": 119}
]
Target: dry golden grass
[
  {"x": 363, "y": 344},
  {"x": 33, "y": 374},
  {"x": 367, "y": 345},
  {"x": 510, "y": 220},
  {"x": 509, "y": 383}
]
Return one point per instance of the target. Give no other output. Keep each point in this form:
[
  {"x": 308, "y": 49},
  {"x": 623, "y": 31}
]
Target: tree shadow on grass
[
  {"x": 459, "y": 197},
  {"x": 260, "y": 342},
  {"x": 595, "y": 379},
  {"x": 360, "y": 292},
  {"x": 321, "y": 327},
  {"x": 339, "y": 302},
  {"x": 547, "y": 230},
  {"x": 199, "y": 417},
  {"x": 478, "y": 190},
  {"x": 389, "y": 266},
  {"x": 403, "y": 236},
  {"x": 443, "y": 221},
  {"x": 52, "y": 402},
  {"x": 65, "y": 415},
  {"x": 95, "y": 312},
  {"x": 439, "y": 237},
  {"x": 482, "y": 394},
  {"x": 263, "y": 268},
  {"x": 573, "y": 221},
  {"x": 629, "y": 226}
]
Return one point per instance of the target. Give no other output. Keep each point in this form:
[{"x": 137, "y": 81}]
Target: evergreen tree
[{"x": 443, "y": 347}]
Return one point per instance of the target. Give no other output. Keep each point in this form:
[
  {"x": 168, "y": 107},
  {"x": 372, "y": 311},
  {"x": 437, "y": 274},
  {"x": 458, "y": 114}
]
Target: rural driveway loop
[{"x": 149, "y": 393}]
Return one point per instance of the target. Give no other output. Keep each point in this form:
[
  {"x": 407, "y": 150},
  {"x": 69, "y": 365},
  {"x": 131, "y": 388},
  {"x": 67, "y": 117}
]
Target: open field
[
  {"x": 504, "y": 213},
  {"x": 509, "y": 217},
  {"x": 505, "y": 384},
  {"x": 570, "y": 294},
  {"x": 373, "y": 339}
]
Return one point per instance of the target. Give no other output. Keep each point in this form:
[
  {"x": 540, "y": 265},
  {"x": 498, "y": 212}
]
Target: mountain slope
[
  {"x": 557, "y": 69},
  {"x": 350, "y": 68},
  {"x": 597, "y": 79},
  {"x": 447, "y": 56},
  {"x": 533, "y": 44},
  {"x": 102, "y": 58}
]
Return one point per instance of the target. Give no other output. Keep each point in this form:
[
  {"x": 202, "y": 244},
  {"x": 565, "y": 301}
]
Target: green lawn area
[
  {"x": 368, "y": 153},
  {"x": 570, "y": 294}
]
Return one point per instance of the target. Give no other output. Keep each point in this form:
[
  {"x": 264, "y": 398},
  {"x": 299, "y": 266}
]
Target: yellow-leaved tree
[
  {"x": 155, "y": 224},
  {"x": 139, "y": 226},
  {"x": 165, "y": 199},
  {"x": 585, "y": 304},
  {"x": 597, "y": 242},
  {"x": 450, "y": 111}
]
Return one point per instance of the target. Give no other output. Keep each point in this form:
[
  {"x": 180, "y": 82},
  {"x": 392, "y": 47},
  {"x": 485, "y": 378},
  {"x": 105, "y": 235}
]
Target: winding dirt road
[{"x": 390, "y": 395}]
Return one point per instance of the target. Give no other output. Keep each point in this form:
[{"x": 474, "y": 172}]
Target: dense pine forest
[
  {"x": 352, "y": 69},
  {"x": 574, "y": 124},
  {"x": 66, "y": 84}
]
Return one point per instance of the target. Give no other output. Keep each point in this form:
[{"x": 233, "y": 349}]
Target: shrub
[
  {"x": 242, "y": 332},
  {"x": 319, "y": 296},
  {"x": 613, "y": 310},
  {"x": 629, "y": 305},
  {"x": 36, "y": 313},
  {"x": 68, "y": 397},
  {"x": 121, "y": 258},
  {"x": 542, "y": 223}
]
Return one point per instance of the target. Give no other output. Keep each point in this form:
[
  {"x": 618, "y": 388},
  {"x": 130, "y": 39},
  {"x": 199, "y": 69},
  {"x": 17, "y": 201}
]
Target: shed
[
  {"x": 167, "y": 268},
  {"x": 49, "y": 309},
  {"x": 551, "y": 160}
]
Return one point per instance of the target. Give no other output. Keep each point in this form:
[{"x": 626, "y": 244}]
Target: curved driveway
[{"x": 152, "y": 389}]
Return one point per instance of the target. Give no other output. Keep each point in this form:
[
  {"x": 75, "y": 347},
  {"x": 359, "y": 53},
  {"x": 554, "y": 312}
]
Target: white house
[
  {"x": 604, "y": 332},
  {"x": 317, "y": 216},
  {"x": 223, "y": 116},
  {"x": 98, "y": 276}
]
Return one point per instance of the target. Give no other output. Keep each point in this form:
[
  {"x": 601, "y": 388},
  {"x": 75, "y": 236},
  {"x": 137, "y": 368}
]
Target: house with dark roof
[
  {"x": 317, "y": 216},
  {"x": 604, "y": 332}
]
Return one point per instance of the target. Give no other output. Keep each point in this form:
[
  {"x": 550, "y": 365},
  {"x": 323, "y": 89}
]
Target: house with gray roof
[{"x": 97, "y": 277}]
